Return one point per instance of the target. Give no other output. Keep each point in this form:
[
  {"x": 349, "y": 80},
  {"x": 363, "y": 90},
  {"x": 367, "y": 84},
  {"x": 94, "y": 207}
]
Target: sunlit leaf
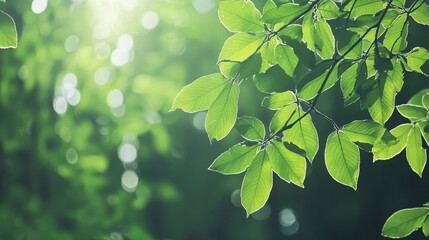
[
  {"x": 421, "y": 14},
  {"x": 293, "y": 31},
  {"x": 200, "y": 94},
  {"x": 311, "y": 89},
  {"x": 8, "y": 34},
  {"x": 308, "y": 31},
  {"x": 342, "y": 159},
  {"x": 329, "y": 10},
  {"x": 425, "y": 101},
  {"x": 284, "y": 13},
  {"x": 396, "y": 36},
  {"x": 417, "y": 99},
  {"x": 416, "y": 155},
  {"x": 257, "y": 183},
  {"x": 363, "y": 7},
  {"x": 425, "y": 227},
  {"x": 279, "y": 100},
  {"x": 288, "y": 165},
  {"x": 240, "y": 16},
  {"x": 385, "y": 149},
  {"x": 404, "y": 222},
  {"x": 282, "y": 117},
  {"x": 363, "y": 131},
  {"x": 250, "y": 128},
  {"x": 324, "y": 39},
  {"x": 235, "y": 160},
  {"x": 240, "y": 46},
  {"x": 268, "y": 6},
  {"x": 416, "y": 58},
  {"x": 412, "y": 112},
  {"x": 303, "y": 135},
  {"x": 286, "y": 58},
  {"x": 349, "y": 78},
  {"x": 424, "y": 130},
  {"x": 268, "y": 53},
  {"x": 223, "y": 112}
]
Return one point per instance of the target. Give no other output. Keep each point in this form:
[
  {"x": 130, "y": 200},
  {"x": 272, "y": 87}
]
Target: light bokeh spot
[
  {"x": 115, "y": 98},
  {"x": 129, "y": 181},
  {"x": 60, "y": 104},
  {"x": 39, "y": 6},
  {"x": 150, "y": 20},
  {"x": 127, "y": 152},
  {"x": 203, "y": 6}
]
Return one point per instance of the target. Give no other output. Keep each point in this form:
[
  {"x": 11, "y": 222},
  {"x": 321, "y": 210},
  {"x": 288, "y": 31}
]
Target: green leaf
[
  {"x": 349, "y": 78},
  {"x": 303, "y": 135},
  {"x": 385, "y": 149},
  {"x": 364, "y": 7},
  {"x": 284, "y": 13},
  {"x": 412, "y": 112},
  {"x": 240, "y": 46},
  {"x": 364, "y": 131},
  {"x": 416, "y": 155},
  {"x": 268, "y": 54},
  {"x": 342, "y": 159},
  {"x": 223, "y": 112},
  {"x": 250, "y": 128},
  {"x": 273, "y": 80},
  {"x": 268, "y": 6},
  {"x": 425, "y": 101},
  {"x": 417, "y": 99},
  {"x": 240, "y": 16},
  {"x": 403, "y": 222},
  {"x": 421, "y": 14},
  {"x": 279, "y": 100},
  {"x": 424, "y": 129},
  {"x": 8, "y": 34},
  {"x": 396, "y": 75},
  {"x": 242, "y": 70},
  {"x": 257, "y": 183},
  {"x": 288, "y": 165},
  {"x": 308, "y": 34},
  {"x": 287, "y": 59},
  {"x": 235, "y": 160},
  {"x": 293, "y": 31},
  {"x": 396, "y": 36},
  {"x": 416, "y": 58},
  {"x": 200, "y": 94},
  {"x": 324, "y": 39},
  {"x": 329, "y": 10},
  {"x": 311, "y": 89},
  {"x": 282, "y": 117},
  {"x": 425, "y": 227}
]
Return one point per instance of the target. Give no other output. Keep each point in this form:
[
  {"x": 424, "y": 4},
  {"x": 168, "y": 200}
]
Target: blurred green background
[{"x": 88, "y": 149}]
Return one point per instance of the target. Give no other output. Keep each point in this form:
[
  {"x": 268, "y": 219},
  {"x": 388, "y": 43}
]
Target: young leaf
[
  {"x": 282, "y": 117},
  {"x": 284, "y": 13},
  {"x": 416, "y": 155},
  {"x": 329, "y": 10},
  {"x": 240, "y": 46},
  {"x": 304, "y": 135},
  {"x": 364, "y": 131},
  {"x": 324, "y": 39},
  {"x": 287, "y": 59},
  {"x": 342, "y": 159},
  {"x": 8, "y": 34},
  {"x": 223, "y": 112},
  {"x": 288, "y": 165},
  {"x": 240, "y": 16},
  {"x": 200, "y": 94},
  {"x": 421, "y": 14},
  {"x": 416, "y": 58},
  {"x": 279, "y": 100},
  {"x": 364, "y": 7},
  {"x": 268, "y": 6},
  {"x": 396, "y": 36},
  {"x": 250, "y": 128},
  {"x": 257, "y": 183},
  {"x": 387, "y": 149},
  {"x": 412, "y": 112},
  {"x": 403, "y": 222},
  {"x": 235, "y": 160}
]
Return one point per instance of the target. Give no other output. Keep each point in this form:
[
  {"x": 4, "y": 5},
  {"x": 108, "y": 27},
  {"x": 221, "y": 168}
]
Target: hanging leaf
[
  {"x": 223, "y": 112},
  {"x": 304, "y": 135},
  {"x": 288, "y": 165},
  {"x": 279, "y": 100},
  {"x": 342, "y": 159},
  {"x": 324, "y": 39},
  {"x": 282, "y": 117},
  {"x": 404, "y": 222},
  {"x": 364, "y": 7},
  {"x": 284, "y": 13},
  {"x": 200, "y": 94},
  {"x": 425, "y": 227},
  {"x": 240, "y": 46},
  {"x": 257, "y": 183},
  {"x": 250, "y": 128},
  {"x": 416, "y": 155},
  {"x": 287, "y": 59},
  {"x": 385, "y": 149},
  {"x": 268, "y": 6},
  {"x": 412, "y": 112},
  {"x": 424, "y": 129},
  {"x": 329, "y": 10},
  {"x": 396, "y": 36},
  {"x": 8, "y": 34},
  {"x": 235, "y": 160},
  {"x": 364, "y": 131},
  {"x": 421, "y": 14},
  {"x": 312, "y": 88},
  {"x": 416, "y": 58},
  {"x": 240, "y": 16}
]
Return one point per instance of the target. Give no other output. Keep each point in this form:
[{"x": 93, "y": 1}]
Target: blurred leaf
[
  {"x": 200, "y": 94},
  {"x": 403, "y": 222},
  {"x": 235, "y": 160},
  {"x": 342, "y": 159},
  {"x": 223, "y": 112},
  {"x": 257, "y": 183},
  {"x": 8, "y": 34},
  {"x": 240, "y": 16},
  {"x": 288, "y": 165},
  {"x": 250, "y": 128}
]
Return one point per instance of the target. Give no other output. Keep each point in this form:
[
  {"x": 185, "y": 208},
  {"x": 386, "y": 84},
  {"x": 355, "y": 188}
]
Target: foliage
[
  {"x": 360, "y": 45},
  {"x": 8, "y": 34}
]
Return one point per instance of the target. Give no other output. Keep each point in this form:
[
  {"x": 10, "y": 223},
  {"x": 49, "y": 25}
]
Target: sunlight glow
[
  {"x": 150, "y": 20},
  {"x": 39, "y": 6},
  {"x": 129, "y": 181}
]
